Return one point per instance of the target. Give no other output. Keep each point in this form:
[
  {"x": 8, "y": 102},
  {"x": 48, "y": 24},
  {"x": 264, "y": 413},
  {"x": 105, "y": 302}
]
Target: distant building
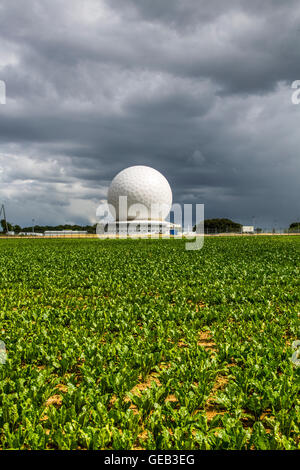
[
  {"x": 247, "y": 229},
  {"x": 142, "y": 227},
  {"x": 30, "y": 234},
  {"x": 63, "y": 233}
]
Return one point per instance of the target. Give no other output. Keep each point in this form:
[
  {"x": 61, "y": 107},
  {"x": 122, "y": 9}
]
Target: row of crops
[{"x": 139, "y": 344}]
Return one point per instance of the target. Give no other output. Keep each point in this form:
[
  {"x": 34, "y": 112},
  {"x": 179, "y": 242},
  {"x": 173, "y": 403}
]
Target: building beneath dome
[{"x": 143, "y": 227}]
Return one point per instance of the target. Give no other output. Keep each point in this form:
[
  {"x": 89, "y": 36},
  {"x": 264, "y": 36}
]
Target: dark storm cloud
[
  {"x": 199, "y": 90},
  {"x": 243, "y": 46}
]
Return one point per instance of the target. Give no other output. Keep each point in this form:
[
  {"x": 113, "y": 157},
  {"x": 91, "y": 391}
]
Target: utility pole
[
  {"x": 33, "y": 225},
  {"x": 2, "y": 211}
]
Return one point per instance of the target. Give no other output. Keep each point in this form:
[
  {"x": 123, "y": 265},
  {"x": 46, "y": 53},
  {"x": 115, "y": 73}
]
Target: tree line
[
  {"x": 210, "y": 226},
  {"x": 227, "y": 225},
  {"x": 44, "y": 228}
]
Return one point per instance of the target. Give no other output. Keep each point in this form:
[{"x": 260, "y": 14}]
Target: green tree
[
  {"x": 3, "y": 225},
  {"x": 220, "y": 226},
  {"x": 294, "y": 227},
  {"x": 17, "y": 229}
]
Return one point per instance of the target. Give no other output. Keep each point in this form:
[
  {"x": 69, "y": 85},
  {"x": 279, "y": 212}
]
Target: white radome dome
[{"x": 142, "y": 185}]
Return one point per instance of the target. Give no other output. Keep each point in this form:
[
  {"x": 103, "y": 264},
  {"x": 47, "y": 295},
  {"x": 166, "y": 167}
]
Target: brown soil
[
  {"x": 55, "y": 400},
  {"x": 206, "y": 341}
]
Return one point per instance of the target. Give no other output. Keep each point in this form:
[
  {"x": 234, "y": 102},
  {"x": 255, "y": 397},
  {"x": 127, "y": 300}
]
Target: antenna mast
[{"x": 2, "y": 210}]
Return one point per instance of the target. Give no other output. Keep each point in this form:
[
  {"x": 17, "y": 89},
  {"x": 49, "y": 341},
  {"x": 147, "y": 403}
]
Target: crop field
[{"x": 139, "y": 344}]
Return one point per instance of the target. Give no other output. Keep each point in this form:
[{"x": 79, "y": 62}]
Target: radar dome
[{"x": 148, "y": 193}]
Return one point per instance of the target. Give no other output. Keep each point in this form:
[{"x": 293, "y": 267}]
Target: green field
[{"x": 139, "y": 344}]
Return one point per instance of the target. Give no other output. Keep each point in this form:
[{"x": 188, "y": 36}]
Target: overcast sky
[{"x": 199, "y": 90}]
